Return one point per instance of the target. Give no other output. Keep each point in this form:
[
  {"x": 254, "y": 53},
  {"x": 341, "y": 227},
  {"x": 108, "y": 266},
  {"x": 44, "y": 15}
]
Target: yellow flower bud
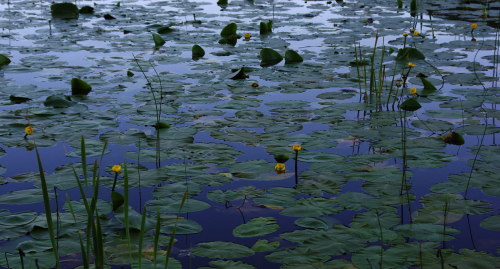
[
  {"x": 413, "y": 91},
  {"x": 297, "y": 147},
  {"x": 411, "y": 65},
  {"x": 416, "y": 33},
  {"x": 255, "y": 84},
  {"x": 280, "y": 168},
  {"x": 28, "y": 130},
  {"x": 405, "y": 34},
  {"x": 248, "y": 35},
  {"x": 473, "y": 26},
  {"x": 116, "y": 168}
]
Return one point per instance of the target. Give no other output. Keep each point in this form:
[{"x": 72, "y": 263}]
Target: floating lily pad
[
  {"x": 197, "y": 52},
  {"x": 264, "y": 245},
  {"x": 410, "y": 104},
  {"x": 221, "y": 250},
  {"x": 292, "y": 57},
  {"x": 159, "y": 41},
  {"x": 409, "y": 53},
  {"x": 256, "y": 227}
]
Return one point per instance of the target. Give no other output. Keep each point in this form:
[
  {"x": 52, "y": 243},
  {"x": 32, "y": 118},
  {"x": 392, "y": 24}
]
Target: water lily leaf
[
  {"x": 428, "y": 86},
  {"x": 292, "y": 57},
  {"x": 269, "y": 57},
  {"x": 64, "y": 11},
  {"x": 433, "y": 125},
  {"x": 240, "y": 74},
  {"x": 159, "y": 41},
  {"x": 197, "y": 52},
  {"x": 256, "y": 227},
  {"x": 468, "y": 258},
  {"x": 171, "y": 205},
  {"x": 410, "y": 104},
  {"x": 227, "y": 264},
  {"x": 409, "y": 53},
  {"x": 86, "y": 10},
  {"x": 266, "y": 27},
  {"x": 18, "y": 99},
  {"x": 4, "y": 60},
  {"x": 164, "y": 29},
  {"x": 27, "y": 196},
  {"x": 311, "y": 207},
  {"x": 229, "y": 31},
  {"x": 264, "y": 245},
  {"x": 183, "y": 226},
  {"x": 17, "y": 219},
  {"x": 453, "y": 138},
  {"x": 491, "y": 223},
  {"x": 59, "y": 101},
  {"x": 79, "y": 87},
  {"x": 427, "y": 232},
  {"x": 221, "y": 250},
  {"x": 312, "y": 223}
]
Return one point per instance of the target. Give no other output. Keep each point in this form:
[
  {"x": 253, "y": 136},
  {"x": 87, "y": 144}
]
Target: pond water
[{"x": 384, "y": 178}]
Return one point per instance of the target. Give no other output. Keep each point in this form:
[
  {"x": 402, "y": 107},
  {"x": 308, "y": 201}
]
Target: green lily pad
[
  {"x": 4, "y": 60},
  {"x": 197, "y": 52},
  {"x": 221, "y": 250},
  {"x": 409, "y": 53},
  {"x": 292, "y": 57},
  {"x": 269, "y": 57},
  {"x": 59, "y": 101},
  {"x": 64, "y": 11},
  {"x": 453, "y": 138},
  {"x": 266, "y": 27},
  {"x": 264, "y": 245},
  {"x": 312, "y": 223},
  {"x": 159, "y": 41},
  {"x": 79, "y": 87},
  {"x": 410, "y": 104},
  {"x": 256, "y": 227},
  {"x": 491, "y": 223},
  {"x": 228, "y": 264}
]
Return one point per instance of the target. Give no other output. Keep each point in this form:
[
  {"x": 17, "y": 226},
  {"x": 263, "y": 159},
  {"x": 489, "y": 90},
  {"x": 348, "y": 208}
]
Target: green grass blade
[
  {"x": 46, "y": 205},
  {"x": 157, "y": 236},
  {"x": 174, "y": 230},
  {"x": 83, "y": 154},
  {"x": 125, "y": 206},
  {"x": 141, "y": 235}
]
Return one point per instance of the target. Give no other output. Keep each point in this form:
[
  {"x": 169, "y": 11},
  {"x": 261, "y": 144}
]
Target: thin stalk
[
  {"x": 125, "y": 206},
  {"x": 381, "y": 240},
  {"x": 372, "y": 67},
  {"x": 358, "y": 62},
  {"x": 21, "y": 257},
  {"x": 156, "y": 236},
  {"x": 141, "y": 235},
  {"x": 85, "y": 259},
  {"x": 296, "y": 167},
  {"x": 83, "y": 155},
  {"x": 48, "y": 212},
  {"x": 174, "y": 230},
  {"x": 444, "y": 221}
]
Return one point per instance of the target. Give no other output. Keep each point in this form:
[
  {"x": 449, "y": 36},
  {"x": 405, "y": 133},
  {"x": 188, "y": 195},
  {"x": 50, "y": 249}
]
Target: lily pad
[
  {"x": 159, "y": 41},
  {"x": 269, "y": 57},
  {"x": 256, "y": 227},
  {"x": 4, "y": 60},
  {"x": 222, "y": 250},
  {"x": 79, "y": 87},
  {"x": 292, "y": 57},
  {"x": 410, "y": 104},
  {"x": 64, "y": 10},
  {"x": 197, "y": 52}
]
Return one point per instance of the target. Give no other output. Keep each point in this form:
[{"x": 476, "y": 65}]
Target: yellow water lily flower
[
  {"x": 416, "y": 33},
  {"x": 28, "y": 130},
  {"x": 413, "y": 91},
  {"x": 248, "y": 35},
  {"x": 411, "y": 65},
  {"x": 297, "y": 147},
  {"x": 473, "y": 26},
  {"x": 255, "y": 84},
  {"x": 405, "y": 34},
  {"x": 116, "y": 168},
  {"x": 280, "y": 168}
]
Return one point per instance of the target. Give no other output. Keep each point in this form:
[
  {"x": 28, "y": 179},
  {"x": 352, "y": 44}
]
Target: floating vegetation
[{"x": 336, "y": 134}]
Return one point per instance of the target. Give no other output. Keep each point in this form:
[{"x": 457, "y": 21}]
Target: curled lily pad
[
  {"x": 409, "y": 53},
  {"x": 64, "y": 11},
  {"x": 269, "y": 57},
  {"x": 4, "y": 60},
  {"x": 266, "y": 27},
  {"x": 79, "y": 87},
  {"x": 410, "y": 104},
  {"x": 197, "y": 52},
  {"x": 159, "y": 41},
  {"x": 292, "y": 57}
]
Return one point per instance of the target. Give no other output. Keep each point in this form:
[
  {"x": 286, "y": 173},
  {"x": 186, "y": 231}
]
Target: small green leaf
[
  {"x": 266, "y": 28},
  {"x": 411, "y": 104},
  {"x": 159, "y": 41},
  {"x": 292, "y": 57},
  {"x": 428, "y": 86},
  {"x": 240, "y": 74},
  {"x": 222, "y": 3},
  {"x": 130, "y": 73},
  {"x": 281, "y": 158},
  {"x": 197, "y": 52},
  {"x": 229, "y": 31},
  {"x": 64, "y": 11},
  {"x": 4, "y": 60},
  {"x": 269, "y": 57},
  {"x": 79, "y": 87},
  {"x": 58, "y": 101},
  {"x": 86, "y": 10},
  {"x": 164, "y": 29},
  {"x": 256, "y": 227}
]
